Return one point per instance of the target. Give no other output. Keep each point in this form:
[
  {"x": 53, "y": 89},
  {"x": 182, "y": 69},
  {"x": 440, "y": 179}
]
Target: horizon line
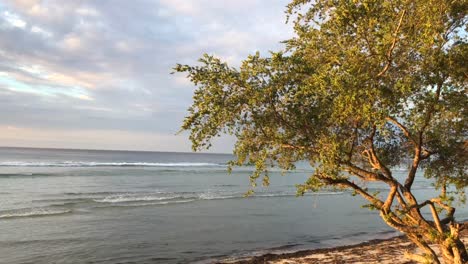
[{"x": 117, "y": 150}]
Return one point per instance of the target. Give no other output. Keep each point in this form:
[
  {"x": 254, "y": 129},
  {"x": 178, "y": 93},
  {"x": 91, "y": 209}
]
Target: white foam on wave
[
  {"x": 221, "y": 196},
  {"x": 33, "y": 213},
  {"x": 175, "y": 202},
  {"x": 155, "y": 203},
  {"x": 216, "y": 196},
  {"x": 163, "y": 197},
  {"x": 126, "y": 198},
  {"x": 106, "y": 164}
]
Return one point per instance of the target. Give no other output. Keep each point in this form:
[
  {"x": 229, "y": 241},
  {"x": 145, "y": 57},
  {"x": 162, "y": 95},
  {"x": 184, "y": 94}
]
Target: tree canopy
[{"x": 363, "y": 87}]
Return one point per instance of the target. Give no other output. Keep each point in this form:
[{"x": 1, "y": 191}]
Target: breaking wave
[
  {"x": 192, "y": 196},
  {"x": 153, "y": 203},
  {"x": 33, "y": 212},
  {"x": 126, "y": 198},
  {"x": 83, "y": 202}
]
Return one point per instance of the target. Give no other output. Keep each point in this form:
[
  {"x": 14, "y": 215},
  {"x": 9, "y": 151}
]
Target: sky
[{"x": 95, "y": 74}]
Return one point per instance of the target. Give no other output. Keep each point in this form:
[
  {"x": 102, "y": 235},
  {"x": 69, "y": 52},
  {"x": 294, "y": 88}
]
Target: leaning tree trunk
[
  {"x": 406, "y": 217},
  {"x": 427, "y": 234}
]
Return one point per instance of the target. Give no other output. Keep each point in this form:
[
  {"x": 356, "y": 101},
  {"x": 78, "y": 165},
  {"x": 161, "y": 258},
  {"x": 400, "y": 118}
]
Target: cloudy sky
[{"x": 96, "y": 73}]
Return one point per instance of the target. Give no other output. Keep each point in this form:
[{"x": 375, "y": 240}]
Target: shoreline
[{"x": 387, "y": 250}]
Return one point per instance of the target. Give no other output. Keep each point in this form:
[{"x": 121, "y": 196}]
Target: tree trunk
[
  {"x": 451, "y": 247},
  {"x": 454, "y": 252}
]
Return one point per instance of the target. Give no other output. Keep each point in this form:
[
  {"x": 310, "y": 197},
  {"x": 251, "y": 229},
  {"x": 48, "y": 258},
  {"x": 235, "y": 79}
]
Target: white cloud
[
  {"x": 36, "y": 70},
  {"x": 108, "y": 65},
  {"x": 40, "y": 31},
  {"x": 14, "y": 20}
]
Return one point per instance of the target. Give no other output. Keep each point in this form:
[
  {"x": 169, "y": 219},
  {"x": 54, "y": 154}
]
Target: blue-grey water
[{"x": 87, "y": 206}]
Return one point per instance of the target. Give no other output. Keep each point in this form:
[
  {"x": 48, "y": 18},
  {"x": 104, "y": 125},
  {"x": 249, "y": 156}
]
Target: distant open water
[{"x": 87, "y": 206}]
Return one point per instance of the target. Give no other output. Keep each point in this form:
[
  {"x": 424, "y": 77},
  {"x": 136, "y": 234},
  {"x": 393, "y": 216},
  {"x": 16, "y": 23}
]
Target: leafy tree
[{"x": 364, "y": 87}]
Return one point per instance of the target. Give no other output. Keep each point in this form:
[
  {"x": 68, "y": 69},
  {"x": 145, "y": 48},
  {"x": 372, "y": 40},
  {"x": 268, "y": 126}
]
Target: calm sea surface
[{"x": 87, "y": 206}]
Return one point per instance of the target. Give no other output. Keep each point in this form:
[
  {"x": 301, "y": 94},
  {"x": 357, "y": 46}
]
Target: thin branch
[
  {"x": 450, "y": 210},
  {"x": 390, "y": 198},
  {"x": 436, "y": 218},
  {"x": 375, "y": 161},
  {"x": 366, "y": 175},
  {"x": 419, "y": 150},
  {"x": 404, "y": 129},
  {"x": 431, "y": 110},
  {"x": 353, "y": 143},
  {"x": 392, "y": 47},
  {"x": 347, "y": 184},
  {"x": 443, "y": 189},
  {"x": 426, "y": 154},
  {"x": 446, "y": 220}
]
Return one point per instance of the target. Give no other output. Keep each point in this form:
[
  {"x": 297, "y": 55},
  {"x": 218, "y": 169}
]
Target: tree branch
[
  {"x": 353, "y": 143},
  {"x": 347, "y": 184},
  {"x": 366, "y": 175},
  {"x": 374, "y": 160},
  {"x": 405, "y": 130},
  {"x": 392, "y": 47},
  {"x": 431, "y": 110},
  {"x": 390, "y": 198},
  {"x": 435, "y": 215},
  {"x": 402, "y": 201},
  {"x": 432, "y": 256},
  {"x": 426, "y": 154},
  {"x": 414, "y": 167},
  {"x": 419, "y": 150},
  {"x": 450, "y": 210}
]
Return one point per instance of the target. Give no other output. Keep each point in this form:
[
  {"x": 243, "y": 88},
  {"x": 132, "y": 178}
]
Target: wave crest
[
  {"x": 33, "y": 212},
  {"x": 132, "y": 198}
]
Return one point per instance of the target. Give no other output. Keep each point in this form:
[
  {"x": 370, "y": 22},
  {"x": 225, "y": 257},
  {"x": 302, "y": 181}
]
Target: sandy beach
[{"x": 375, "y": 251}]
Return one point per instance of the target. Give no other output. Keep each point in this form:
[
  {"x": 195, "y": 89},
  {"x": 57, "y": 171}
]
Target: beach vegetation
[{"x": 365, "y": 91}]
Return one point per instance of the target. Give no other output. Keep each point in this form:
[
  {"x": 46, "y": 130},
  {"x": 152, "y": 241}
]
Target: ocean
[{"x": 90, "y": 206}]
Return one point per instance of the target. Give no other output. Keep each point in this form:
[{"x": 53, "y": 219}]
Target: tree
[{"x": 364, "y": 87}]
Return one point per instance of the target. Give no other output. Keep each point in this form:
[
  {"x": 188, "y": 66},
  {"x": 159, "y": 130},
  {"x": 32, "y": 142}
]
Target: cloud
[
  {"x": 13, "y": 20},
  {"x": 95, "y": 65}
]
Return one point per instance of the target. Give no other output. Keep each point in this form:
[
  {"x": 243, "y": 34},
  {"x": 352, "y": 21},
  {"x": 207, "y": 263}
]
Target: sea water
[{"x": 89, "y": 206}]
